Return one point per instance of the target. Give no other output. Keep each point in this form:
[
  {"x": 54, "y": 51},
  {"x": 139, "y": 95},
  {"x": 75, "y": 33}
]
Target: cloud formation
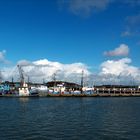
[
  {"x": 112, "y": 72},
  {"x": 86, "y": 7},
  {"x": 2, "y": 57},
  {"x": 132, "y": 24},
  {"x": 118, "y": 67},
  {"x": 122, "y": 50},
  {"x": 45, "y": 69},
  {"x": 120, "y": 71},
  {"x": 126, "y": 33}
]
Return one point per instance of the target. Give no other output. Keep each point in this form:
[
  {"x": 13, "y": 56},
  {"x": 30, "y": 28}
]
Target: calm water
[{"x": 70, "y": 118}]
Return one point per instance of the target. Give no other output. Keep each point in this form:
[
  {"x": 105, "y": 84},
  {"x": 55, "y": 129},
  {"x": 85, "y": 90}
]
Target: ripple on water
[{"x": 70, "y": 118}]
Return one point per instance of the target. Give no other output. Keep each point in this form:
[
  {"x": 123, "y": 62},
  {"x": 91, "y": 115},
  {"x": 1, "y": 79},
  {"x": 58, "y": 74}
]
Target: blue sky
[{"x": 70, "y": 31}]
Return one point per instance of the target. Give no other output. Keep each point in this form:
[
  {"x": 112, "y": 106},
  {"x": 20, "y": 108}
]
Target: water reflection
[
  {"x": 23, "y": 99},
  {"x": 70, "y": 118}
]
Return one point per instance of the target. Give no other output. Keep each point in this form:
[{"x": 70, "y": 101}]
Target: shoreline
[{"x": 73, "y": 95}]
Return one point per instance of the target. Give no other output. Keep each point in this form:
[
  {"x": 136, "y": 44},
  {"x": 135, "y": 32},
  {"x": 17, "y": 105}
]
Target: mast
[
  {"x": 0, "y": 77},
  {"x": 21, "y": 74},
  {"x": 12, "y": 80},
  {"x": 28, "y": 79},
  {"x": 43, "y": 81},
  {"x": 54, "y": 79},
  {"x": 82, "y": 81}
]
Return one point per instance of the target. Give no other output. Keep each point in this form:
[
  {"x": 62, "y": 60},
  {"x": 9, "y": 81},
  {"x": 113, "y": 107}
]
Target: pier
[{"x": 66, "y": 89}]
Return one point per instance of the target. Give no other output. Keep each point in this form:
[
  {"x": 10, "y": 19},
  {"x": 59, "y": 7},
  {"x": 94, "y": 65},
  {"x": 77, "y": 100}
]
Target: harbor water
[{"x": 73, "y": 118}]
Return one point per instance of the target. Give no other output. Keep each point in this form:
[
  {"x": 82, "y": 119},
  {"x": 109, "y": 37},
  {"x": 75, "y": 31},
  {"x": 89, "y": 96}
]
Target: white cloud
[
  {"x": 24, "y": 63},
  {"x": 2, "y": 57},
  {"x": 117, "y": 67},
  {"x": 44, "y": 69},
  {"x": 132, "y": 24},
  {"x": 86, "y": 7},
  {"x": 112, "y": 72},
  {"x": 122, "y": 50},
  {"x": 120, "y": 71},
  {"x": 126, "y": 33}
]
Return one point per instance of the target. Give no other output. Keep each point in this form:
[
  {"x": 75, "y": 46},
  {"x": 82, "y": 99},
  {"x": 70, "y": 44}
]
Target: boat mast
[
  {"x": 54, "y": 79},
  {"x": 21, "y": 74},
  {"x": 28, "y": 79},
  {"x": 12, "y": 80},
  {"x": 0, "y": 77},
  {"x": 82, "y": 81}
]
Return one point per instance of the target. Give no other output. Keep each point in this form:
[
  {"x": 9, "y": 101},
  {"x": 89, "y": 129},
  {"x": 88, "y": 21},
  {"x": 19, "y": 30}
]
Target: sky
[{"x": 102, "y": 38}]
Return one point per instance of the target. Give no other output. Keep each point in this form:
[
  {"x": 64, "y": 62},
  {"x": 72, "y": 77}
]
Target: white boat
[
  {"x": 24, "y": 90},
  {"x": 42, "y": 88},
  {"x": 88, "y": 90}
]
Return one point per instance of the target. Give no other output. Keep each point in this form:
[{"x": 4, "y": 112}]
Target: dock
[{"x": 77, "y": 95}]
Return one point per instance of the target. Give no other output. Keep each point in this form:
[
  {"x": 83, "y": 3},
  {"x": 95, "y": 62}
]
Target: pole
[{"x": 82, "y": 81}]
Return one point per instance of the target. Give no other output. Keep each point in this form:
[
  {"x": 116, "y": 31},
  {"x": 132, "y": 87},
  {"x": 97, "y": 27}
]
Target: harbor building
[
  {"x": 117, "y": 89},
  {"x": 62, "y": 86}
]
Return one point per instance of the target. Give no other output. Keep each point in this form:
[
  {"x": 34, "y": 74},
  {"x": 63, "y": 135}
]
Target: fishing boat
[{"x": 24, "y": 90}]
